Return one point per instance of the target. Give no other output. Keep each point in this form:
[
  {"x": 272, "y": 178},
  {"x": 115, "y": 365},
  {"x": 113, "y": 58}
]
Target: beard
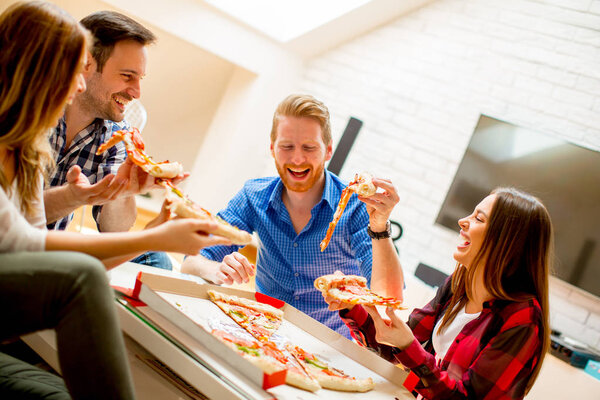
[
  {"x": 95, "y": 101},
  {"x": 311, "y": 179}
]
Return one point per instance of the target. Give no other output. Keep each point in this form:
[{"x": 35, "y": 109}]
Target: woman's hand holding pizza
[
  {"x": 381, "y": 204},
  {"x": 393, "y": 332},
  {"x": 335, "y": 304},
  {"x": 186, "y": 235},
  {"x": 235, "y": 267}
]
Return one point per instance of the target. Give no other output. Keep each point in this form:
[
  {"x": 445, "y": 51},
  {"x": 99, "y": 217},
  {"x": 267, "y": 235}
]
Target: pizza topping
[
  {"x": 134, "y": 144},
  {"x": 259, "y": 319},
  {"x": 353, "y": 289},
  {"x": 329, "y": 377},
  {"x": 362, "y": 185}
]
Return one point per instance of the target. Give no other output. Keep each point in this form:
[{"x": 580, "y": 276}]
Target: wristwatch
[{"x": 381, "y": 235}]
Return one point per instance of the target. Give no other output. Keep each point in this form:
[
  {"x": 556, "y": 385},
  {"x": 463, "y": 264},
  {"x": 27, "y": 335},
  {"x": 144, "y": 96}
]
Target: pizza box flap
[{"x": 313, "y": 327}]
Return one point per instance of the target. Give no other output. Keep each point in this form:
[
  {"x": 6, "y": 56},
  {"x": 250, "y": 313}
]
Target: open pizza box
[{"x": 182, "y": 309}]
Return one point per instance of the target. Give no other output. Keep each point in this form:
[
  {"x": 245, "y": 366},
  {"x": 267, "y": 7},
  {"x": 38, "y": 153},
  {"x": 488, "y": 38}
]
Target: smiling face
[
  {"x": 109, "y": 91},
  {"x": 300, "y": 153},
  {"x": 472, "y": 231}
]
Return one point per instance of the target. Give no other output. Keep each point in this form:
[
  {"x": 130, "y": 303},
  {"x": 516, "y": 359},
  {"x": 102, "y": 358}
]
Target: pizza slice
[
  {"x": 297, "y": 375},
  {"x": 183, "y": 207},
  {"x": 253, "y": 351},
  {"x": 362, "y": 184},
  {"x": 329, "y": 377},
  {"x": 259, "y": 319},
  {"x": 353, "y": 289},
  {"x": 134, "y": 144}
]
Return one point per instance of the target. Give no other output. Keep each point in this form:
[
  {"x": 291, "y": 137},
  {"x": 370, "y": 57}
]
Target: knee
[{"x": 86, "y": 270}]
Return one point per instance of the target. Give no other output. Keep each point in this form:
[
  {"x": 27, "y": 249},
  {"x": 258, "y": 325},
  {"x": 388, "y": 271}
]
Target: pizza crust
[
  {"x": 252, "y": 304},
  {"x": 345, "y": 384},
  {"x": 165, "y": 170},
  {"x": 326, "y": 282},
  {"x": 302, "y": 381},
  {"x": 364, "y": 185}
]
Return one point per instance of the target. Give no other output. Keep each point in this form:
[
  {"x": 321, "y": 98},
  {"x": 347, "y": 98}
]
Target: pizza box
[{"x": 182, "y": 308}]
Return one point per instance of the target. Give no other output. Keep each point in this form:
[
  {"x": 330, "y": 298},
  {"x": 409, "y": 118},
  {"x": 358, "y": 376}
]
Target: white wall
[{"x": 420, "y": 83}]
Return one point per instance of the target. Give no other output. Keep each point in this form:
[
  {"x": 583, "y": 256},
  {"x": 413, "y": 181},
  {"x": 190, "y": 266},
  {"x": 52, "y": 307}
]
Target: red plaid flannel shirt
[{"x": 491, "y": 358}]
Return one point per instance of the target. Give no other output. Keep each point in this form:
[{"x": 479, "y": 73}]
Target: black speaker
[{"x": 345, "y": 145}]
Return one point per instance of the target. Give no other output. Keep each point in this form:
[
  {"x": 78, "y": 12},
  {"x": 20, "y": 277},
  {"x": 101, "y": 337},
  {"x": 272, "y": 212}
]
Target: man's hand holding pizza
[
  {"x": 381, "y": 204},
  {"x": 137, "y": 181}
]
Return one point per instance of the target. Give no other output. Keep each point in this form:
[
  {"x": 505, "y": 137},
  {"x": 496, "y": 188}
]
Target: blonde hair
[
  {"x": 303, "y": 105},
  {"x": 42, "y": 50}
]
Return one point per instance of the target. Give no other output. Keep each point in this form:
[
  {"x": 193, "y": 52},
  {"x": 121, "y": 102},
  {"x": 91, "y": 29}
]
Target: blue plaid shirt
[
  {"x": 82, "y": 152},
  {"x": 289, "y": 263}
]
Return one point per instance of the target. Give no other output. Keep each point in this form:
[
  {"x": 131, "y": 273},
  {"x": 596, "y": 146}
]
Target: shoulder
[
  {"x": 521, "y": 312},
  {"x": 336, "y": 182},
  {"x": 261, "y": 185},
  {"x": 256, "y": 191}
]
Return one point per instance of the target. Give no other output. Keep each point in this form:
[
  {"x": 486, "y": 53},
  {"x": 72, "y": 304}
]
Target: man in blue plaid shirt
[
  {"x": 108, "y": 181},
  {"x": 291, "y": 214}
]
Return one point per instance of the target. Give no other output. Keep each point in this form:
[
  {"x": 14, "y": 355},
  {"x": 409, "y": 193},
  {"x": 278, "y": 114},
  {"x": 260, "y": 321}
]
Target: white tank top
[{"x": 441, "y": 343}]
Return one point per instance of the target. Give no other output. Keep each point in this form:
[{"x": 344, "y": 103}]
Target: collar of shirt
[{"x": 99, "y": 130}]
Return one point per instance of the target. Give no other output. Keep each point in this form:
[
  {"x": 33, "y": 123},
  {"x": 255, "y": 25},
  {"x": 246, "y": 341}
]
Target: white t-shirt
[
  {"x": 18, "y": 232},
  {"x": 441, "y": 343}
]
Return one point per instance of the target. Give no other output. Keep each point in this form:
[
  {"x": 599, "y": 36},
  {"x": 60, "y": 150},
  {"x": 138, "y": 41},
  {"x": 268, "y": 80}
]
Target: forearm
[
  {"x": 200, "y": 266},
  {"x": 387, "y": 278},
  {"x": 118, "y": 215},
  {"x": 105, "y": 246},
  {"x": 59, "y": 202}
]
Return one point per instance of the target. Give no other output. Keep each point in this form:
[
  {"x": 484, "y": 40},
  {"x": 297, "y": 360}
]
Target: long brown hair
[
  {"x": 42, "y": 48},
  {"x": 515, "y": 255}
]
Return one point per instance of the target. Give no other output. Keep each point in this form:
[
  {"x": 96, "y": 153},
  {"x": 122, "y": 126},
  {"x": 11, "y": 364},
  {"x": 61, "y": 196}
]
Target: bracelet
[{"x": 380, "y": 235}]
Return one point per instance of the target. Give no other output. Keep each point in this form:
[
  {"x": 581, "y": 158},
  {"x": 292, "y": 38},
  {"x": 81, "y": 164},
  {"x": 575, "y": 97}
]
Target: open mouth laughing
[
  {"x": 121, "y": 101},
  {"x": 298, "y": 173},
  {"x": 464, "y": 241}
]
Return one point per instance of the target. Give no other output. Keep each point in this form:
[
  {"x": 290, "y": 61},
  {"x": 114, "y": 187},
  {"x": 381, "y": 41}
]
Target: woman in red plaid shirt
[{"x": 485, "y": 334}]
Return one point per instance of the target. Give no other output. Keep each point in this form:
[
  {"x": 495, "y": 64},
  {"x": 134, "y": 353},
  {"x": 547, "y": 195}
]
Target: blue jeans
[{"x": 154, "y": 259}]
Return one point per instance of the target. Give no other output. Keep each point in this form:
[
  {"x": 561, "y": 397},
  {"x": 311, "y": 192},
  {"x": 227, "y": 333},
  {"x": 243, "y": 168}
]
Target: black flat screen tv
[{"x": 565, "y": 176}]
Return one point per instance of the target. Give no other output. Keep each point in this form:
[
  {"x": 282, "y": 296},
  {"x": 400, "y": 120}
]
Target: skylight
[{"x": 284, "y": 20}]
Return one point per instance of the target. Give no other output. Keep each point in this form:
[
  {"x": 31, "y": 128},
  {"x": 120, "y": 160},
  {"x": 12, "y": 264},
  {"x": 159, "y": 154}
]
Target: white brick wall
[{"x": 420, "y": 84}]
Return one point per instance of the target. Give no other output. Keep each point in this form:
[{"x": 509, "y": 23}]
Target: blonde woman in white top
[{"x": 43, "y": 55}]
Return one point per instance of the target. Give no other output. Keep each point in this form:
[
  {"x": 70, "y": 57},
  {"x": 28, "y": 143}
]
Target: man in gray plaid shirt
[{"x": 108, "y": 181}]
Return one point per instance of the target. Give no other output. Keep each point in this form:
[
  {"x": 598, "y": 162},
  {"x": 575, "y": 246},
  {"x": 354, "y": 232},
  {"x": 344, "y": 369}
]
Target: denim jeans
[{"x": 154, "y": 259}]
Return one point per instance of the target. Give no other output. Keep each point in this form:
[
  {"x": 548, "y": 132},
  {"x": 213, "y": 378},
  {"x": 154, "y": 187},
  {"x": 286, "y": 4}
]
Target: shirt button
[
  {"x": 295, "y": 244},
  {"x": 297, "y": 297},
  {"x": 296, "y": 274}
]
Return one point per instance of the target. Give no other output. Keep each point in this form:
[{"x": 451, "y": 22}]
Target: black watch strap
[{"x": 381, "y": 235}]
